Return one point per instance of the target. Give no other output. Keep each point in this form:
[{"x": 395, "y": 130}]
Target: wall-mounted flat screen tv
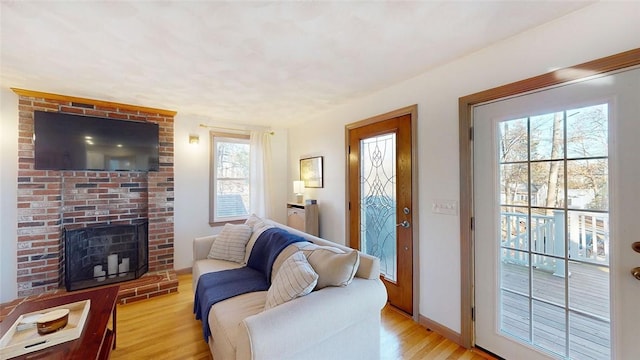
[{"x": 75, "y": 142}]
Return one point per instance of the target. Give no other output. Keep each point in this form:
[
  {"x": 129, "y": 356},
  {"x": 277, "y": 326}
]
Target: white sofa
[{"x": 330, "y": 323}]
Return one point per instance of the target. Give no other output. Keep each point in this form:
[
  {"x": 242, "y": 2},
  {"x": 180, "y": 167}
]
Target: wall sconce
[
  {"x": 194, "y": 139},
  {"x": 298, "y": 189}
]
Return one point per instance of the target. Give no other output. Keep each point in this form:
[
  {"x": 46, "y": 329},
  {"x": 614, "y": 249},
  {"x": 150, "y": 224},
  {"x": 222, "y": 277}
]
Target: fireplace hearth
[{"x": 105, "y": 254}]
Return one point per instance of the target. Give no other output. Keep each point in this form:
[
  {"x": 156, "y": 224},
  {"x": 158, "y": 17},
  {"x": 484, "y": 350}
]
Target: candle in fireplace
[
  {"x": 112, "y": 261},
  {"x": 123, "y": 268},
  {"x": 97, "y": 272}
]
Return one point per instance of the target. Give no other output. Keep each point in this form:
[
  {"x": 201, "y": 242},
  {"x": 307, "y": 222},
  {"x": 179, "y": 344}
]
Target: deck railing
[{"x": 588, "y": 239}]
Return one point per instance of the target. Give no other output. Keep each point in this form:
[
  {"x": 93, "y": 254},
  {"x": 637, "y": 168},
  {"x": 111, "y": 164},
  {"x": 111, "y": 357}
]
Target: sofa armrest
[
  {"x": 201, "y": 246},
  {"x": 278, "y": 334}
]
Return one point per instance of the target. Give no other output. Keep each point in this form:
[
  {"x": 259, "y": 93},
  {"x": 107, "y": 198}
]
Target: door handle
[
  {"x": 405, "y": 224},
  {"x": 636, "y": 272}
]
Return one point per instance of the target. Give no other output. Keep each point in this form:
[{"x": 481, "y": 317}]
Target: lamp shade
[{"x": 298, "y": 187}]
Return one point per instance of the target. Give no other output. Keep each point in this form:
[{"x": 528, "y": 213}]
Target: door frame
[
  {"x": 465, "y": 125},
  {"x": 415, "y": 228}
]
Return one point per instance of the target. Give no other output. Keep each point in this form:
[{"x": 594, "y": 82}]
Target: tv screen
[{"x": 75, "y": 142}]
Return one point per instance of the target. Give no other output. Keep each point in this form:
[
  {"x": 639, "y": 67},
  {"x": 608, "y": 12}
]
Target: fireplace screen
[{"x": 105, "y": 254}]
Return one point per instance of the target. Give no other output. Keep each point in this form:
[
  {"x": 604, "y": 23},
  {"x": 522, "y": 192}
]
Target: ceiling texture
[{"x": 250, "y": 63}]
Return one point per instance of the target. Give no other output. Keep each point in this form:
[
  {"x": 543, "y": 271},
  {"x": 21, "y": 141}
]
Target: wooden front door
[{"x": 380, "y": 199}]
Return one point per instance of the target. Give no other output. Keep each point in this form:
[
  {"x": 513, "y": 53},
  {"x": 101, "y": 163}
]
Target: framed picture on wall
[{"x": 311, "y": 172}]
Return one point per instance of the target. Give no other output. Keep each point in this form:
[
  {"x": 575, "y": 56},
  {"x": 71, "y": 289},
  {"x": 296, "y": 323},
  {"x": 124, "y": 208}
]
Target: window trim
[{"x": 213, "y": 136}]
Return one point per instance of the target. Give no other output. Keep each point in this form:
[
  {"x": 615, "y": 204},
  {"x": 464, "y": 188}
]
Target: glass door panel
[
  {"x": 378, "y": 201},
  {"x": 554, "y": 231}
]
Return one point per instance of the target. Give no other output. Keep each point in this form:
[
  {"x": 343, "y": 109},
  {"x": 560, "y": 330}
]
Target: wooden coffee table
[{"x": 96, "y": 340}]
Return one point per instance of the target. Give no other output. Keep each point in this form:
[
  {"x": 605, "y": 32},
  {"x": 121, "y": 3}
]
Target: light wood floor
[{"x": 165, "y": 328}]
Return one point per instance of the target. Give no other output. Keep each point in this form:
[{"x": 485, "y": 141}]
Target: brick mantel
[{"x": 49, "y": 200}]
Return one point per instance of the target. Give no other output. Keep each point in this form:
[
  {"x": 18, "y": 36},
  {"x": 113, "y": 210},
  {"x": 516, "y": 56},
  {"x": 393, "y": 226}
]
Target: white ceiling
[{"x": 253, "y": 63}]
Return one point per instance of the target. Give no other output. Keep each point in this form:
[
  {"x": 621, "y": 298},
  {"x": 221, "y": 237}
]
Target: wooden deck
[{"x": 588, "y": 305}]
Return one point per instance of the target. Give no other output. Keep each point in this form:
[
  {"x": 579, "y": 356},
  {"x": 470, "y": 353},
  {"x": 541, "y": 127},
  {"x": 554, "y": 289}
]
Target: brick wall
[{"x": 49, "y": 200}]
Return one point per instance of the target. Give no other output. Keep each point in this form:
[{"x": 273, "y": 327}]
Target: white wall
[
  {"x": 8, "y": 193},
  {"x": 191, "y": 166},
  {"x": 191, "y": 188},
  {"x": 596, "y": 31}
]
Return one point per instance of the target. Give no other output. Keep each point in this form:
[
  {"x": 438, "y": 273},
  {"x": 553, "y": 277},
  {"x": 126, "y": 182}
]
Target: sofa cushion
[
  {"x": 226, "y": 317},
  {"x": 210, "y": 265},
  {"x": 294, "y": 279},
  {"x": 231, "y": 243},
  {"x": 334, "y": 266}
]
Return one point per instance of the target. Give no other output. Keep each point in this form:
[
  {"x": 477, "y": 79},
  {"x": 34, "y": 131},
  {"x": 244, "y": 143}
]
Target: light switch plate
[{"x": 446, "y": 207}]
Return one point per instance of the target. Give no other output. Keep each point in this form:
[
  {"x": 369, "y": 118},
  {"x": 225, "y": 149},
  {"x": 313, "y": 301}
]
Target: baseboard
[
  {"x": 184, "y": 271},
  {"x": 441, "y": 329}
]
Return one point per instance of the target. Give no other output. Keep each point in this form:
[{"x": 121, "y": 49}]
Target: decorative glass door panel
[{"x": 378, "y": 201}]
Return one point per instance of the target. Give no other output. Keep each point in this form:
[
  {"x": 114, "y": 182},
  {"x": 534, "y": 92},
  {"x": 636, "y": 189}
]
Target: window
[
  {"x": 230, "y": 181},
  {"x": 563, "y": 156}
]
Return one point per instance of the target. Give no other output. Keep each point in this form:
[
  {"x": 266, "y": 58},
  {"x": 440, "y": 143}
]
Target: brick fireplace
[{"x": 49, "y": 200}]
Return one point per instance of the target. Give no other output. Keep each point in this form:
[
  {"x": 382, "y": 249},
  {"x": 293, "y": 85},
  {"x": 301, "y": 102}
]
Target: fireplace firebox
[{"x": 105, "y": 254}]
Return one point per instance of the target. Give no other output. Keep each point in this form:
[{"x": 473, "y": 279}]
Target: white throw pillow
[
  {"x": 295, "y": 278},
  {"x": 231, "y": 243}
]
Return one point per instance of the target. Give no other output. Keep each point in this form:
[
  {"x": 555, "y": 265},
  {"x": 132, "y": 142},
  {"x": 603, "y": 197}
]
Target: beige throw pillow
[
  {"x": 295, "y": 278},
  {"x": 231, "y": 243},
  {"x": 334, "y": 266},
  {"x": 252, "y": 220}
]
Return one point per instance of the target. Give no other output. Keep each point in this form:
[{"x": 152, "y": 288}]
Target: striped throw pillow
[
  {"x": 231, "y": 243},
  {"x": 295, "y": 278}
]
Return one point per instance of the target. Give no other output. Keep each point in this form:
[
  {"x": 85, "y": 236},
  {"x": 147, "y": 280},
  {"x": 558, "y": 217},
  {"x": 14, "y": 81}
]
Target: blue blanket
[
  {"x": 267, "y": 248},
  {"x": 221, "y": 285},
  {"x": 256, "y": 276}
]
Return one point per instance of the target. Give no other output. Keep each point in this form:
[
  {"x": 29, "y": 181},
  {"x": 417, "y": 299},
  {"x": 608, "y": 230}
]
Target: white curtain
[{"x": 260, "y": 173}]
